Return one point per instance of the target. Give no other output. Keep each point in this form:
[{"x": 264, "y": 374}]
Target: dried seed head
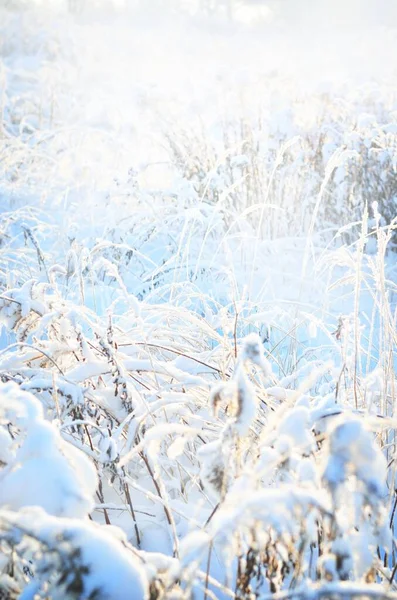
[
  {"x": 216, "y": 397},
  {"x": 253, "y": 351}
]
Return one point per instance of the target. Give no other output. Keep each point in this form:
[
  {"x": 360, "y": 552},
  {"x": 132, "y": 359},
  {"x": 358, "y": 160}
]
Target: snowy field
[{"x": 198, "y": 301}]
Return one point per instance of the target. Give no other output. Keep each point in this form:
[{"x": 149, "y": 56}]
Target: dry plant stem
[
  {"x": 207, "y": 574},
  {"x": 40, "y": 256},
  {"x": 175, "y": 351},
  {"x": 25, "y": 345},
  {"x": 235, "y": 329},
  {"x": 167, "y": 511},
  {"x": 102, "y": 500},
  {"x": 277, "y": 163},
  {"x": 357, "y": 332},
  {"x": 128, "y": 496}
]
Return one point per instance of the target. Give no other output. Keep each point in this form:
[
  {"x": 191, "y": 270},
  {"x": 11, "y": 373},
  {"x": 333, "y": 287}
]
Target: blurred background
[{"x": 321, "y": 12}]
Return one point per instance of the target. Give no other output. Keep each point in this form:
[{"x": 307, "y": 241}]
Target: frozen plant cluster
[{"x": 197, "y": 308}]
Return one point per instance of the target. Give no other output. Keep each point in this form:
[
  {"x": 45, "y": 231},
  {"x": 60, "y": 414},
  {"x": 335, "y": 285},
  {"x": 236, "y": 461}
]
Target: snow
[
  {"x": 111, "y": 567},
  {"x": 43, "y": 470},
  {"x": 352, "y": 450},
  {"x": 197, "y": 299},
  {"x": 295, "y": 425}
]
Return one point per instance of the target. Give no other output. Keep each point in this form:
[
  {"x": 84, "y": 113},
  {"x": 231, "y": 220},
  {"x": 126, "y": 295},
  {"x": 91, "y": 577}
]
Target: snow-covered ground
[{"x": 198, "y": 304}]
